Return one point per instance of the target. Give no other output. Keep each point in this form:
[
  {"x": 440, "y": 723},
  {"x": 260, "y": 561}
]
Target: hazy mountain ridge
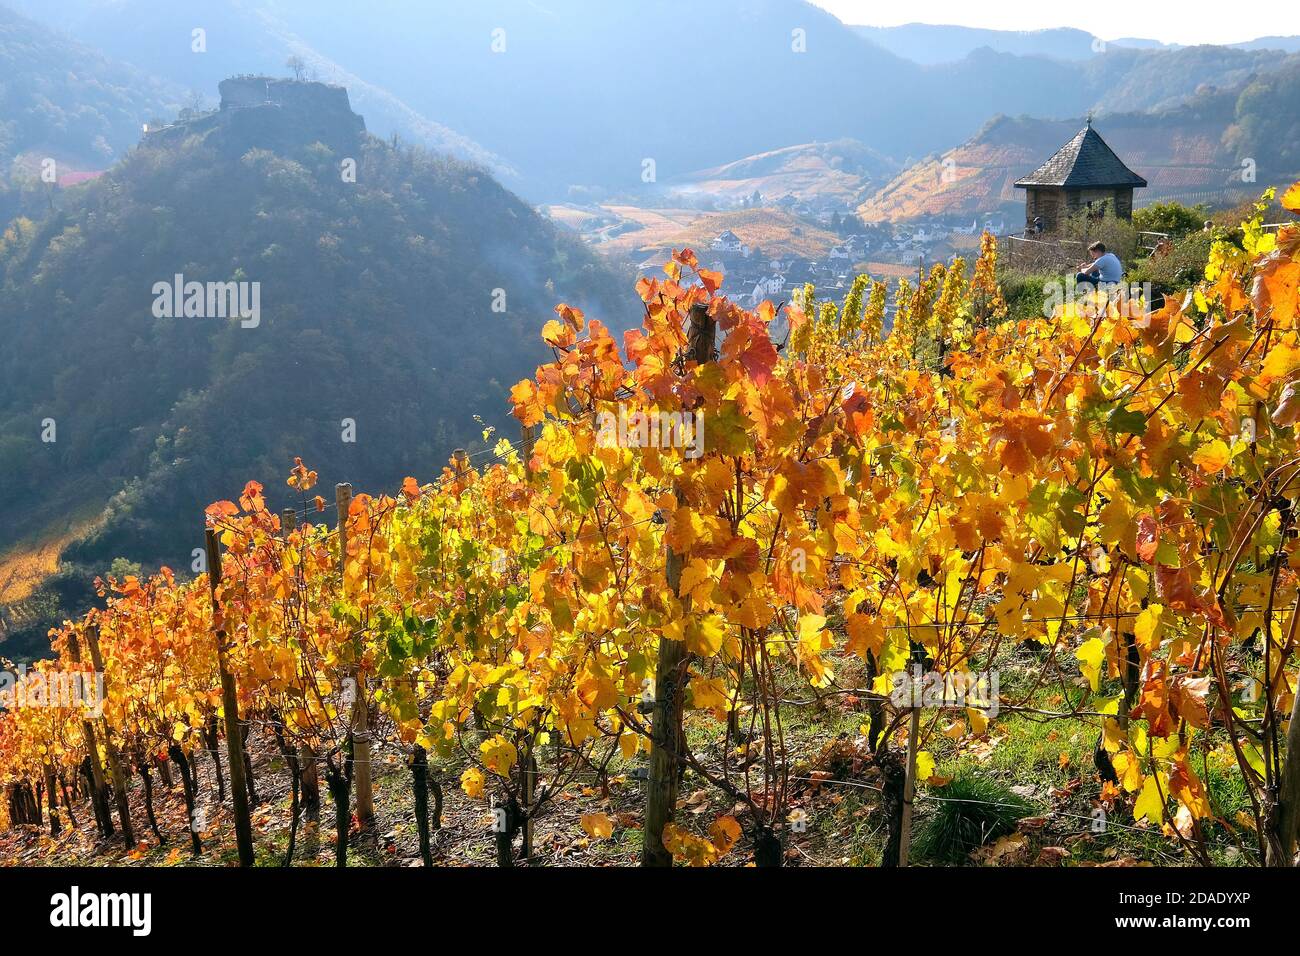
[
  {"x": 1193, "y": 152},
  {"x": 608, "y": 97},
  {"x": 756, "y": 95},
  {"x": 931, "y": 44}
]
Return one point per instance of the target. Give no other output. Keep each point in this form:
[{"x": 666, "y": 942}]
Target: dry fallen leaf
[{"x": 598, "y": 825}]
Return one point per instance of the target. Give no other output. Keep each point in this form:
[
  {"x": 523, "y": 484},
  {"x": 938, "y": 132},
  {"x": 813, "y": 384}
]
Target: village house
[
  {"x": 730, "y": 242},
  {"x": 767, "y": 288}
]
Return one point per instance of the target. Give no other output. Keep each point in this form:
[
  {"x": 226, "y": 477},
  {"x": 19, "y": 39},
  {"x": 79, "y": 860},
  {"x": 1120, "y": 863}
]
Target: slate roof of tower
[{"x": 1085, "y": 162}]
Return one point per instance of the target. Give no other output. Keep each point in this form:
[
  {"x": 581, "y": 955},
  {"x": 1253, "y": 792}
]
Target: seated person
[{"x": 1104, "y": 269}]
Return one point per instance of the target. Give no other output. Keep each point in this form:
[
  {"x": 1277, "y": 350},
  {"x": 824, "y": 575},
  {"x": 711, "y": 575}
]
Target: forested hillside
[
  {"x": 63, "y": 100},
  {"x": 405, "y": 302}
]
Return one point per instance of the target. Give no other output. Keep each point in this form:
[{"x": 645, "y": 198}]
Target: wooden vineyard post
[
  {"x": 909, "y": 782},
  {"x": 52, "y": 800},
  {"x": 528, "y": 437},
  {"x": 309, "y": 780},
  {"x": 528, "y": 766},
  {"x": 360, "y": 707},
  {"x": 110, "y": 748},
  {"x": 99, "y": 798},
  {"x": 230, "y": 709},
  {"x": 1281, "y": 850},
  {"x": 670, "y": 668}
]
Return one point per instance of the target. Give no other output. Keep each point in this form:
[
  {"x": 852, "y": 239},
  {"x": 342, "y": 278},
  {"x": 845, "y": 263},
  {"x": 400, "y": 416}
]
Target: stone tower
[{"x": 1083, "y": 173}]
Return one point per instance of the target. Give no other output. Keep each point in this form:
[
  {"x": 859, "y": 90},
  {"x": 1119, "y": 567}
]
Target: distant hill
[
  {"x": 1142, "y": 43},
  {"x": 844, "y": 170},
  {"x": 645, "y": 236},
  {"x": 376, "y": 305},
  {"x": 62, "y": 100},
  {"x": 763, "y": 229},
  {"x": 1193, "y": 153},
  {"x": 1133, "y": 80},
  {"x": 1289, "y": 43},
  {"x": 975, "y": 177},
  {"x": 929, "y": 44},
  {"x": 1120, "y": 80}
]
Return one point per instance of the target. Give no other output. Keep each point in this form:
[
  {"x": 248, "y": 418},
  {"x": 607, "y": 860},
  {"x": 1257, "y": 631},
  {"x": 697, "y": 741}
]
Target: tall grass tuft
[{"x": 970, "y": 812}]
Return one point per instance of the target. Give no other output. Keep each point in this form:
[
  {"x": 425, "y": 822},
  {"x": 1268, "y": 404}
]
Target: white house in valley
[
  {"x": 767, "y": 287},
  {"x": 730, "y": 242}
]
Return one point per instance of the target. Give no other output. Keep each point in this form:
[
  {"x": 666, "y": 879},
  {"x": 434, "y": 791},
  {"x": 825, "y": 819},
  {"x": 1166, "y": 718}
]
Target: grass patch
[{"x": 970, "y": 811}]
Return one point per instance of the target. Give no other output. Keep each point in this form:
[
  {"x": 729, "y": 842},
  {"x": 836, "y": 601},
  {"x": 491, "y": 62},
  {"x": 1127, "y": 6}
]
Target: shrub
[
  {"x": 1026, "y": 293},
  {"x": 1172, "y": 218},
  {"x": 1118, "y": 235},
  {"x": 1177, "y": 269}
]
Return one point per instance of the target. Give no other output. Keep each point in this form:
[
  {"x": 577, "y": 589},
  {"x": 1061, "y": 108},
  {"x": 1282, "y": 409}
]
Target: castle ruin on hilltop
[{"x": 270, "y": 113}]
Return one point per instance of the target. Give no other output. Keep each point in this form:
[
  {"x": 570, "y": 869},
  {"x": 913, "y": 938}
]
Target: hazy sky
[{"x": 1191, "y": 21}]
